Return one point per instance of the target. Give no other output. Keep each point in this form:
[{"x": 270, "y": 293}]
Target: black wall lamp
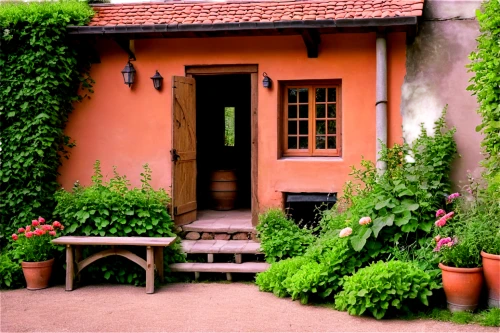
[
  {"x": 157, "y": 80},
  {"x": 266, "y": 82},
  {"x": 128, "y": 74}
]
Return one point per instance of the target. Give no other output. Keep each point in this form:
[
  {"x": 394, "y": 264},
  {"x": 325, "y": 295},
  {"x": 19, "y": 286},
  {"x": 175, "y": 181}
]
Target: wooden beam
[
  {"x": 127, "y": 46},
  {"x": 312, "y": 40}
]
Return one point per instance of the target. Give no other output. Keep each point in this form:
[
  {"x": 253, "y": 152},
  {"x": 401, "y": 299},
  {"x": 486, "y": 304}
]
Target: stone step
[
  {"x": 220, "y": 226},
  {"x": 246, "y": 267},
  {"x": 221, "y": 246}
]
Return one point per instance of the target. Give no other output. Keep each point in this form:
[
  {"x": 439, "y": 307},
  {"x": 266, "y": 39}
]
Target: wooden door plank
[{"x": 254, "y": 84}]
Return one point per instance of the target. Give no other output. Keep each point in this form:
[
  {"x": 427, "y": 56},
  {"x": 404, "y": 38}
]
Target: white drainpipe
[{"x": 381, "y": 103}]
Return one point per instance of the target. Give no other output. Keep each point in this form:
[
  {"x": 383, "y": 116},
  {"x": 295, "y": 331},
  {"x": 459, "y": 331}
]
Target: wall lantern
[
  {"x": 128, "y": 74},
  {"x": 157, "y": 80},
  {"x": 266, "y": 82}
]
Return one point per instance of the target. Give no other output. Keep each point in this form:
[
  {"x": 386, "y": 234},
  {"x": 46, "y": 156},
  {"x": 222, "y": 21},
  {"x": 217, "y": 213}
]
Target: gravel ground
[{"x": 187, "y": 307}]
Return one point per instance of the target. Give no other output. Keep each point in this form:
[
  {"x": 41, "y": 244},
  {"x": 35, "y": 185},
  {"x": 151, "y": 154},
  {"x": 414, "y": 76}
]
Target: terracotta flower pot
[
  {"x": 462, "y": 287},
  {"x": 491, "y": 266},
  {"x": 37, "y": 274}
]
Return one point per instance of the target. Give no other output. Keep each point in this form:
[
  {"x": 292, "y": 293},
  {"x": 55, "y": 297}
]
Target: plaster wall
[
  {"x": 129, "y": 127},
  {"x": 437, "y": 75}
]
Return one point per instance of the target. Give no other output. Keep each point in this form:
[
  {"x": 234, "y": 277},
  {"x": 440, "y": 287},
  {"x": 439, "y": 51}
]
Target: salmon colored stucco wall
[{"x": 129, "y": 127}]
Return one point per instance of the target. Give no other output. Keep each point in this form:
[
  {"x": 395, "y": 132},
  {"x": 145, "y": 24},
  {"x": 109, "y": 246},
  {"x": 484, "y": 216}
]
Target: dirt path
[{"x": 196, "y": 307}]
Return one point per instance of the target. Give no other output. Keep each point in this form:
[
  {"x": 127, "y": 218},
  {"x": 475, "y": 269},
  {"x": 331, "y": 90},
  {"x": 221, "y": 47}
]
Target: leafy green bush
[
  {"x": 113, "y": 209},
  {"x": 280, "y": 237},
  {"x": 383, "y": 287},
  {"x": 318, "y": 273},
  {"x": 272, "y": 279},
  {"x": 485, "y": 65},
  {"x": 11, "y": 273},
  {"x": 403, "y": 200},
  {"x": 41, "y": 71}
]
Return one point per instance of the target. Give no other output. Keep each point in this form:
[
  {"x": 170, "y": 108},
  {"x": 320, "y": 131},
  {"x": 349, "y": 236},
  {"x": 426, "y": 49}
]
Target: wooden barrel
[{"x": 223, "y": 189}]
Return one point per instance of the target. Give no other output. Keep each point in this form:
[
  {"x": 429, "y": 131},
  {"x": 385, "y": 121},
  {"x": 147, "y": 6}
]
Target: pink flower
[
  {"x": 444, "y": 241},
  {"x": 21, "y": 230},
  {"x": 442, "y": 221},
  {"x": 35, "y": 223},
  {"x": 345, "y": 232},
  {"x": 47, "y": 227},
  {"x": 41, "y": 220},
  {"x": 39, "y": 232},
  {"x": 14, "y": 237},
  {"x": 452, "y": 196},
  {"x": 440, "y": 212},
  {"x": 449, "y": 215},
  {"x": 437, "y": 238},
  {"x": 52, "y": 233},
  {"x": 365, "y": 220},
  {"x": 28, "y": 228},
  {"x": 57, "y": 224},
  {"x": 29, "y": 234}
]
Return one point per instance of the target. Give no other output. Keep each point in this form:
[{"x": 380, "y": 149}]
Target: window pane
[
  {"x": 292, "y": 95},
  {"x": 303, "y": 142},
  {"x": 320, "y": 94},
  {"x": 229, "y": 126},
  {"x": 320, "y": 127},
  {"x": 303, "y": 95},
  {"x": 292, "y": 142},
  {"x": 332, "y": 142},
  {"x": 303, "y": 127},
  {"x": 320, "y": 111},
  {"x": 320, "y": 142},
  {"x": 332, "y": 110},
  {"x": 292, "y": 111},
  {"x": 332, "y": 94},
  {"x": 304, "y": 111},
  {"x": 292, "y": 127},
  {"x": 332, "y": 127}
]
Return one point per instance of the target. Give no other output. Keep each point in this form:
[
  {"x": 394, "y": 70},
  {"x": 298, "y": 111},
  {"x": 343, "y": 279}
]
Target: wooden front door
[{"x": 183, "y": 150}]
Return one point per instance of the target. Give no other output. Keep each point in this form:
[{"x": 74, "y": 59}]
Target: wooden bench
[{"x": 154, "y": 254}]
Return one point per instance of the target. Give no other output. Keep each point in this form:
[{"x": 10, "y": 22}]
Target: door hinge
[
  {"x": 175, "y": 211},
  {"x": 175, "y": 156}
]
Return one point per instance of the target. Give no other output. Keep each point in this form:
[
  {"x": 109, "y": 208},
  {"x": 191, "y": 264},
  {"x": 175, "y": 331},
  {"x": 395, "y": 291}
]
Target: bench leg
[
  {"x": 70, "y": 268},
  {"x": 78, "y": 258},
  {"x": 150, "y": 271},
  {"x": 159, "y": 262}
]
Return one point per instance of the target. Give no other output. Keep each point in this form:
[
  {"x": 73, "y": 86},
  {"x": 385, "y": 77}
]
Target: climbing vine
[
  {"x": 41, "y": 70},
  {"x": 486, "y": 81}
]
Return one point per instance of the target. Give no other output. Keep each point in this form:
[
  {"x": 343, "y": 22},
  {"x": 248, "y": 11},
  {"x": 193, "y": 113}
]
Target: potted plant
[
  {"x": 32, "y": 245},
  {"x": 490, "y": 213},
  {"x": 458, "y": 244}
]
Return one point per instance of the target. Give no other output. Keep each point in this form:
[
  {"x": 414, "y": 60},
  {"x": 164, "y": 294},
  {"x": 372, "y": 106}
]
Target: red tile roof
[{"x": 180, "y": 12}]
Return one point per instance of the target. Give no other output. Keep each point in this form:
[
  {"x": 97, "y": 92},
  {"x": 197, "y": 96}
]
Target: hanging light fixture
[
  {"x": 128, "y": 74},
  {"x": 157, "y": 80},
  {"x": 266, "y": 82}
]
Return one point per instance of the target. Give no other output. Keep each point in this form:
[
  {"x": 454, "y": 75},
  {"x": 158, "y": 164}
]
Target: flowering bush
[{"x": 33, "y": 242}]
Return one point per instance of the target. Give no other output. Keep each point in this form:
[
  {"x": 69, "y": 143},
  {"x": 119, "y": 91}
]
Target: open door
[{"x": 183, "y": 150}]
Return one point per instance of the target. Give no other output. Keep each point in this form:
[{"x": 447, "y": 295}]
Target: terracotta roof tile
[{"x": 264, "y": 11}]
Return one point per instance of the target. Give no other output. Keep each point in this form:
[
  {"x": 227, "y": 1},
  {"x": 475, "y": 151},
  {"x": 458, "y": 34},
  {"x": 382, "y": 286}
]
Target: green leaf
[
  {"x": 381, "y": 222},
  {"x": 358, "y": 241}
]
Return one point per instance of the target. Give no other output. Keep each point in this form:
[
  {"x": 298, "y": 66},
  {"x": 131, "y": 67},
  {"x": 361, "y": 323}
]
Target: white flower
[{"x": 345, "y": 232}]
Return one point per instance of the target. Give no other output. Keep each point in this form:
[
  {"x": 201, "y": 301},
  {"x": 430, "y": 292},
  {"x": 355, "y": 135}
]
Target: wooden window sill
[{"x": 312, "y": 158}]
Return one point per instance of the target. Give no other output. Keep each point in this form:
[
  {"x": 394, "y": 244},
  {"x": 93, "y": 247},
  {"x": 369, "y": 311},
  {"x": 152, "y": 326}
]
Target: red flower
[
  {"x": 57, "y": 224},
  {"x": 28, "y": 228},
  {"x": 29, "y": 234},
  {"x": 14, "y": 237},
  {"x": 35, "y": 223},
  {"x": 52, "y": 233},
  {"x": 47, "y": 227},
  {"x": 38, "y": 232},
  {"x": 41, "y": 220},
  {"x": 21, "y": 230}
]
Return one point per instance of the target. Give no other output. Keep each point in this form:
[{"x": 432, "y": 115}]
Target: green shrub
[
  {"x": 272, "y": 279},
  {"x": 41, "y": 71},
  {"x": 280, "y": 237},
  {"x": 383, "y": 287},
  {"x": 113, "y": 209},
  {"x": 11, "y": 273},
  {"x": 485, "y": 83}
]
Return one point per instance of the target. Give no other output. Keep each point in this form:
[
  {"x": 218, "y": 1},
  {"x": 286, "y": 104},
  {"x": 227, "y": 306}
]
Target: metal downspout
[{"x": 381, "y": 94}]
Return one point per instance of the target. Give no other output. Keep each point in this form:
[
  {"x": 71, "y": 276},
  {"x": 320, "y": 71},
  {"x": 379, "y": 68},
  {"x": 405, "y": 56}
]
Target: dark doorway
[{"x": 223, "y": 133}]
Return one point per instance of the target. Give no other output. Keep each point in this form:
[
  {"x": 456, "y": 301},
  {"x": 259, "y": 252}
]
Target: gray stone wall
[{"x": 437, "y": 75}]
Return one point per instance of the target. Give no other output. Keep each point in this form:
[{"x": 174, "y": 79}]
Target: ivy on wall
[
  {"x": 486, "y": 82},
  {"x": 40, "y": 72}
]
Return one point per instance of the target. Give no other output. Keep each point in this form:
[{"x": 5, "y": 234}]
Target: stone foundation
[{"x": 193, "y": 235}]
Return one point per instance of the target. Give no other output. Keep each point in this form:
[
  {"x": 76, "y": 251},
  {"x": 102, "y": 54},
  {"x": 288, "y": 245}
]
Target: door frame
[{"x": 253, "y": 70}]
